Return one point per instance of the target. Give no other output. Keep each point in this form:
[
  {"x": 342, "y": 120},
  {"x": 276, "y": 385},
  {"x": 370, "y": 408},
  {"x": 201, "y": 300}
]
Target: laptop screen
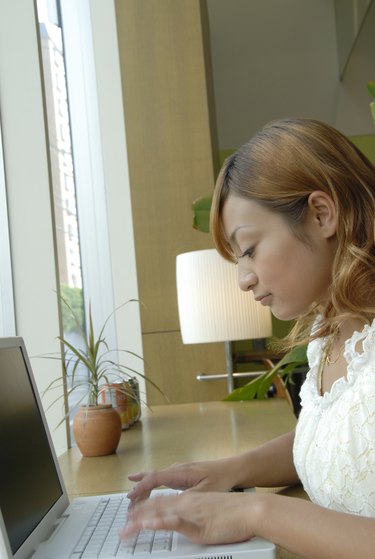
[{"x": 29, "y": 483}]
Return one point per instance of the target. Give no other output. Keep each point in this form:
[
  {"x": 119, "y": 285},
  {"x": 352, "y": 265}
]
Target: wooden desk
[{"x": 182, "y": 432}]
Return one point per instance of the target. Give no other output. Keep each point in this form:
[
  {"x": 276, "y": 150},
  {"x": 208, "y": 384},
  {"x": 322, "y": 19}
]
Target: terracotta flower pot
[{"x": 97, "y": 430}]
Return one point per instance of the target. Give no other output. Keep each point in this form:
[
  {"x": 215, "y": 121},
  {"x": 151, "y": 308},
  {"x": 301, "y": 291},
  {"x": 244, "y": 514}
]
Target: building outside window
[{"x": 63, "y": 178}]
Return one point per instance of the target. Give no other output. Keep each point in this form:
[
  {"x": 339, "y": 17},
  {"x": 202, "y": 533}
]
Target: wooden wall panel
[
  {"x": 167, "y": 121},
  {"x": 175, "y": 366}
]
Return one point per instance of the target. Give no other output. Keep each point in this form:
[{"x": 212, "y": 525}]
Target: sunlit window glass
[{"x": 62, "y": 170}]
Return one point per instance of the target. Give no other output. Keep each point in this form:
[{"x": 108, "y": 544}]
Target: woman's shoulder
[
  {"x": 359, "y": 354},
  {"x": 361, "y": 345}
]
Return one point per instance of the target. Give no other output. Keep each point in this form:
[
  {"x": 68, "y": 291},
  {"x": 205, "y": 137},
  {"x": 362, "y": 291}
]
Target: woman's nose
[{"x": 246, "y": 280}]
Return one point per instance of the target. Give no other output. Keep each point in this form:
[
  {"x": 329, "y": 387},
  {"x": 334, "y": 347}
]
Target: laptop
[{"x": 36, "y": 518}]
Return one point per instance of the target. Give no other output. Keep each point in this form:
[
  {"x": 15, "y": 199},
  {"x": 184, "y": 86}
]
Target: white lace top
[{"x": 334, "y": 448}]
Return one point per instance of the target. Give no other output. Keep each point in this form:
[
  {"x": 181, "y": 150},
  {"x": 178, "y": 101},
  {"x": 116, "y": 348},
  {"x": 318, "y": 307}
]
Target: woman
[{"x": 295, "y": 209}]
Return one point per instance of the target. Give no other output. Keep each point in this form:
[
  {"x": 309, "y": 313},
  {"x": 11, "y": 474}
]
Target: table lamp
[{"x": 212, "y": 307}]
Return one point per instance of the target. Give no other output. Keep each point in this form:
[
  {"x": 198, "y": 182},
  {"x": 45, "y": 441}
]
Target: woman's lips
[{"x": 264, "y": 299}]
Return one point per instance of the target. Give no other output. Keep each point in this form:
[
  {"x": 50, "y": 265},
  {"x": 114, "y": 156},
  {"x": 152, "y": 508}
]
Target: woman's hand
[
  {"x": 205, "y": 518},
  {"x": 213, "y": 475}
]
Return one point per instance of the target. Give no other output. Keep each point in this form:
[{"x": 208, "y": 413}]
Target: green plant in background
[
  {"x": 259, "y": 387},
  {"x": 371, "y": 90},
  {"x": 201, "y": 213},
  {"x": 74, "y": 298}
]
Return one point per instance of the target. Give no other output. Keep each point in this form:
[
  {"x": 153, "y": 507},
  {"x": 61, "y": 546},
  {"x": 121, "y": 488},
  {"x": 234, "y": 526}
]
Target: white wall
[{"x": 271, "y": 59}]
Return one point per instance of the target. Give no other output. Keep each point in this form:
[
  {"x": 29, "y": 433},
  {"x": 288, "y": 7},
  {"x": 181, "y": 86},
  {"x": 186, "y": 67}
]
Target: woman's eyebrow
[{"x": 232, "y": 237}]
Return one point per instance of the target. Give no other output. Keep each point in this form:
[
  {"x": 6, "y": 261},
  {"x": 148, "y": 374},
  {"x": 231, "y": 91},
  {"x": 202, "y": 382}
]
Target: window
[
  {"x": 63, "y": 177},
  {"x": 95, "y": 168},
  {"x": 107, "y": 268}
]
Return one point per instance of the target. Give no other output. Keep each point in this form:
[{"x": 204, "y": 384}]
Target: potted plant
[{"x": 97, "y": 425}]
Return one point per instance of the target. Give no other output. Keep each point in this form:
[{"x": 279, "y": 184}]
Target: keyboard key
[{"x": 161, "y": 545}]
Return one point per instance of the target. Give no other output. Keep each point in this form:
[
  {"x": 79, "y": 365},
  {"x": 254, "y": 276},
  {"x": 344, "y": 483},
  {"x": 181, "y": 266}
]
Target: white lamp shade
[{"x": 211, "y": 306}]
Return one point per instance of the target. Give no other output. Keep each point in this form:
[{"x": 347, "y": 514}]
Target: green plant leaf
[
  {"x": 258, "y": 387},
  {"x": 123, "y": 369},
  {"x": 77, "y": 320},
  {"x": 201, "y": 213},
  {"x": 295, "y": 355},
  {"x": 74, "y": 296},
  {"x": 247, "y": 392},
  {"x": 372, "y": 109}
]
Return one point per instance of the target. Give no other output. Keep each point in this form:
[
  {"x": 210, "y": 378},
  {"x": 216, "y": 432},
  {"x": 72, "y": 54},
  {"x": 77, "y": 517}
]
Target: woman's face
[{"x": 285, "y": 273}]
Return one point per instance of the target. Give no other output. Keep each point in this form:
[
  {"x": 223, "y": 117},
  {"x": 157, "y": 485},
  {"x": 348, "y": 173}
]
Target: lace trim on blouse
[{"x": 334, "y": 449}]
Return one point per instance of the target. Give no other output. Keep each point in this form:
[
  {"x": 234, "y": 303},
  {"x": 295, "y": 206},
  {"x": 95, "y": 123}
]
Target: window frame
[{"x": 7, "y": 314}]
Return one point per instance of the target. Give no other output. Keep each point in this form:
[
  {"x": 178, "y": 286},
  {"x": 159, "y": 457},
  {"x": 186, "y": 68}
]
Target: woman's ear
[{"x": 323, "y": 212}]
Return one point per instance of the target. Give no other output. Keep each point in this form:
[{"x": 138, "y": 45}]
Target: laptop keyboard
[{"x": 101, "y": 537}]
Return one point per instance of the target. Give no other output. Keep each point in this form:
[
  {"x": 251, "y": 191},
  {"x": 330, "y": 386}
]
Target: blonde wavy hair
[{"x": 279, "y": 168}]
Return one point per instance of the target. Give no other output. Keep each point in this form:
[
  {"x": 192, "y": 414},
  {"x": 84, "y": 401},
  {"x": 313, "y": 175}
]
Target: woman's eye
[{"x": 249, "y": 253}]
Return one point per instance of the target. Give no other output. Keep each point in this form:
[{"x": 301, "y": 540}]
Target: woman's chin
[{"x": 283, "y": 314}]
